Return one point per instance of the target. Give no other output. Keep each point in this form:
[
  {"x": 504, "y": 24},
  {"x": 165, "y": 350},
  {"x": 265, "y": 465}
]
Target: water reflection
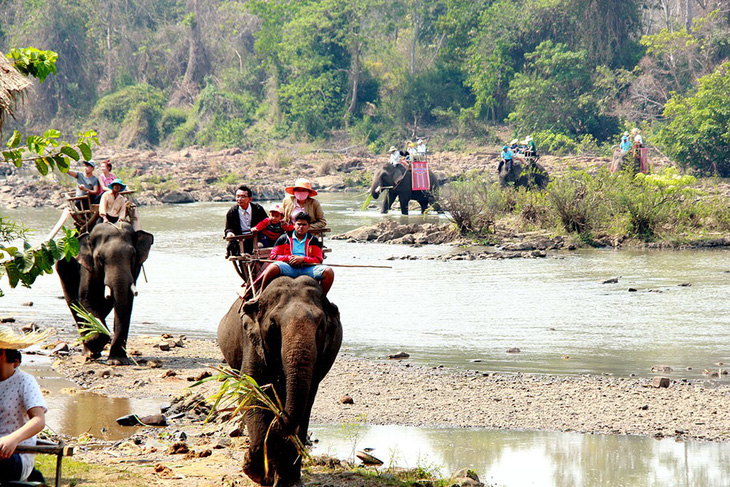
[
  {"x": 461, "y": 314},
  {"x": 517, "y": 458}
]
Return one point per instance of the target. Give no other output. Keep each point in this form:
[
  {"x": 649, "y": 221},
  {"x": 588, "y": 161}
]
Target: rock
[
  {"x": 475, "y": 360},
  {"x": 613, "y": 280},
  {"x": 134, "y": 420},
  {"x": 662, "y": 369},
  {"x": 346, "y": 399},
  {"x": 368, "y": 459},
  {"x": 27, "y": 303},
  {"x": 178, "y": 448},
  {"x": 235, "y": 429},
  {"x": 106, "y": 373},
  {"x": 466, "y": 478},
  {"x": 60, "y": 349},
  {"x": 163, "y": 346},
  {"x": 29, "y": 328},
  {"x": 513, "y": 350},
  {"x": 685, "y": 284},
  {"x": 154, "y": 364},
  {"x": 632, "y": 290},
  {"x": 219, "y": 443},
  {"x": 180, "y": 436},
  {"x": 169, "y": 373},
  {"x": 177, "y": 197},
  {"x": 7, "y": 319},
  {"x": 203, "y": 375},
  {"x": 398, "y": 356},
  {"x": 660, "y": 382}
]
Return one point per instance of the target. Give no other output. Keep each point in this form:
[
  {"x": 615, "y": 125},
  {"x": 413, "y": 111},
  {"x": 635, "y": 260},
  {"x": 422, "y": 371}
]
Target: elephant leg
[
  {"x": 257, "y": 424},
  {"x": 404, "y": 200}
]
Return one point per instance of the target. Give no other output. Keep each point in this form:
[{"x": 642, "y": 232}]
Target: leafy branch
[
  {"x": 34, "y": 62},
  {"x": 91, "y": 325}
]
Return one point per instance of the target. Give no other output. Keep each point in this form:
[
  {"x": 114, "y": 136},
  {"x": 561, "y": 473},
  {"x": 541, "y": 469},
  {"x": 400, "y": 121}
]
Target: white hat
[
  {"x": 392, "y": 149},
  {"x": 528, "y": 139},
  {"x": 514, "y": 141},
  {"x": 420, "y": 141},
  {"x": 626, "y": 134},
  {"x": 14, "y": 341}
]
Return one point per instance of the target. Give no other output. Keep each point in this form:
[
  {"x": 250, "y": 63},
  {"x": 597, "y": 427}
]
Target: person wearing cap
[
  {"x": 625, "y": 145},
  {"x": 106, "y": 176},
  {"x": 507, "y": 157},
  {"x": 299, "y": 254},
  {"x": 86, "y": 182},
  {"x": 394, "y": 155},
  {"x": 300, "y": 200},
  {"x": 241, "y": 218},
  {"x": 22, "y": 408},
  {"x": 271, "y": 228},
  {"x": 421, "y": 148}
]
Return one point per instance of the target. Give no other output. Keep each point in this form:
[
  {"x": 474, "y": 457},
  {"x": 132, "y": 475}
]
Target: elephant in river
[
  {"x": 289, "y": 338},
  {"x": 102, "y": 277},
  {"x": 528, "y": 174},
  {"x": 395, "y": 182}
]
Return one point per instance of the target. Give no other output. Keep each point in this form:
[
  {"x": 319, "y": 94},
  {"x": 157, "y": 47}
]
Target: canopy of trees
[{"x": 236, "y": 73}]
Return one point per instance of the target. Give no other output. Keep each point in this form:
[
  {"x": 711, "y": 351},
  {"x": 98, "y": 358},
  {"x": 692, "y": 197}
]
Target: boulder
[
  {"x": 177, "y": 197},
  {"x": 660, "y": 382}
]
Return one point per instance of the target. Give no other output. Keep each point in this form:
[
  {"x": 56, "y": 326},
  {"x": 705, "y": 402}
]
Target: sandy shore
[{"x": 396, "y": 392}]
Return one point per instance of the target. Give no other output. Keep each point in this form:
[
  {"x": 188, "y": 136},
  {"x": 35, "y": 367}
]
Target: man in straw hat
[
  {"x": 394, "y": 155},
  {"x": 300, "y": 200},
  {"x": 22, "y": 408}
]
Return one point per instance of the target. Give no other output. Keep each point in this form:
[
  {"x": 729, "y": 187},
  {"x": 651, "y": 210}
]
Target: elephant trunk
[
  {"x": 123, "y": 294},
  {"x": 375, "y": 189},
  {"x": 299, "y": 360}
]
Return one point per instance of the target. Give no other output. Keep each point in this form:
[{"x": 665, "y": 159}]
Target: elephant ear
[
  {"x": 85, "y": 256},
  {"x": 143, "y": 242},
  {"x": 253, "y": 331}
]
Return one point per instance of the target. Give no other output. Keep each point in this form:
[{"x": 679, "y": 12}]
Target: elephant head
[
  {"x": 525, "y": 174},
  {"x": 289, "y": 337},
  {"x": 103, "y": 277},
  {"x": 386, "y": 177}
]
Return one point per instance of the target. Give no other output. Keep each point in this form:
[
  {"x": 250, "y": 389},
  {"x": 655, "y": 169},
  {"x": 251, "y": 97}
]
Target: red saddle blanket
[{"x": 421, "y": 180}]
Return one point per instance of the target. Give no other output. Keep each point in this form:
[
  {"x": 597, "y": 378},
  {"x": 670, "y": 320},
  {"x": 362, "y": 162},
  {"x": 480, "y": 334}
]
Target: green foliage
[
  {"x": 25, "y": 265},
  {"x": 132, "y": 113},
  {"x": 34, "y": 62},
  {"x": 698, "y": 135},
  {"x": 223, "y": 117},
  {"x": 171, "y": 119},
  {"x": 473, "y": 206},
  {"x": 90, "y": 325}
]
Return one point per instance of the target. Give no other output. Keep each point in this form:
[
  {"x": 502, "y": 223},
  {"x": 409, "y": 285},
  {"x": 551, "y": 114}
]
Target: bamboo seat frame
[{"x": 43, "y": 448}]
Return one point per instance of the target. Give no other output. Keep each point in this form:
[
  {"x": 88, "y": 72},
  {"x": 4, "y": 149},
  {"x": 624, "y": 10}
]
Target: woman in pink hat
[{"x": 300, "y": 201}]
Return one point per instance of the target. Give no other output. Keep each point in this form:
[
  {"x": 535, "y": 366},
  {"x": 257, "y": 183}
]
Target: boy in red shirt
[{"x": 270, "y": 229}]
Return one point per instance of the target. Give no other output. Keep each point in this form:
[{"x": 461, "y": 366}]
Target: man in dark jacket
[{"x": 241, "y": 218}]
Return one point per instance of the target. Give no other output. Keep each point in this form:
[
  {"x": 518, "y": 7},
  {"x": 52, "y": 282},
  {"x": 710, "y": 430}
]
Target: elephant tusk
[
  {"x": 134, "y": 289},
  {"x": 377, "y": 190},
  {"x": 107, "y": 292}
]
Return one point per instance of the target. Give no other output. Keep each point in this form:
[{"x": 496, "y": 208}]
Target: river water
[{"x": 465, "y": 314}]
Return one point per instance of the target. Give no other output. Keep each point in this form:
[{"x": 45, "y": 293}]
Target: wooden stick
[{"x": 338, "y": 265}]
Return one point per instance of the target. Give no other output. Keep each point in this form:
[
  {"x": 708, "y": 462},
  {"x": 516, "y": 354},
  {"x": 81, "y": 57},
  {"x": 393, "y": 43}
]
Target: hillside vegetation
[{"x": 573, "y": 73}]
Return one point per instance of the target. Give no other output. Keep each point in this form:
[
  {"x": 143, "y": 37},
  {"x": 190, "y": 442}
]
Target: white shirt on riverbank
[{"x": 19, "y": 393}]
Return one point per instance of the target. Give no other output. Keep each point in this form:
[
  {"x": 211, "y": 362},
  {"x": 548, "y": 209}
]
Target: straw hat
[
  {"x": 514, "y": 141},
  {"x": 14, "y": 341},
  {"x": 392, "y": 149},
  {"x": 301, "y": 183},
  {"x": 275, "y": 208},
  {"x": 626, "y": 134}
]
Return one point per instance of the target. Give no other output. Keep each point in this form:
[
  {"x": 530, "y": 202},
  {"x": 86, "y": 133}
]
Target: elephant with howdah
[
  {"x": 102, "y": 277},
  {"x": 395, "y": 182},
  {"x": 289, "y": 338},
  {"x": 528, "y": 174}
]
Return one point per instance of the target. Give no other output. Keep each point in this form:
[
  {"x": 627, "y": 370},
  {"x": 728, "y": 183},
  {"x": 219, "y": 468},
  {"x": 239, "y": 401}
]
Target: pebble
[
  {"x": 346, "y": 399},
  {"x": 398, "y": 356},
  {"x": 513, "y": 350}
]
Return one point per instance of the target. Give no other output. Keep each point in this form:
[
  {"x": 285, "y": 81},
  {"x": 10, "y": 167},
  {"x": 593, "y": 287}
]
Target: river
[{"x": 463, "y": 314}]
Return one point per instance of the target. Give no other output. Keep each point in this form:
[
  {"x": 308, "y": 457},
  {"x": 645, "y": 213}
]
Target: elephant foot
[
  {"x": 255, "y": 471},
  {"x": 119, "y": 361}
]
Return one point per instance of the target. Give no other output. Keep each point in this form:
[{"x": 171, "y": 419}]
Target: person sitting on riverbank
[
  {"x": 272, "y": 228},
  {"x": 300, "y": 200},
  {"x": 299, "y": 255},
  {"x": 22, "y": 408},
  {"x": 241, "y": 218},
  {"x": 87, "y": 183},
  {"x": 106, "y": 177}
]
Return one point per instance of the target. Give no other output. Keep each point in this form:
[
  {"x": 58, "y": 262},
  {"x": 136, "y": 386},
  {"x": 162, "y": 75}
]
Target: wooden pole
[{"x": 339, "y": 265}]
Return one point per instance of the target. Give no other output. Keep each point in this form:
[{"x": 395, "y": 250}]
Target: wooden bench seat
[{"x": 43, "y": 448}]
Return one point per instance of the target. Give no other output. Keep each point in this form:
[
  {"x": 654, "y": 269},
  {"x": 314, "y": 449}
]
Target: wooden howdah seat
[
  {"x": 250, "y": 265},
  {"x": 43, "y": 448},
  {"x": 85, "y": 214}
]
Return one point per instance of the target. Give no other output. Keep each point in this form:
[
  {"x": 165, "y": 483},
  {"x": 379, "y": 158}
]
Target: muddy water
[
  {"x": 520, "y": 458},
  {"x": 461, "y": 314},
  {"x": 74, "y": 413}
]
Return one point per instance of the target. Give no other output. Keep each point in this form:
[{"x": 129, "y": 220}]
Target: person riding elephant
[
  {"x": 289, "y": 338},
  {"x": 396, "y": 182},
  {"x": 528, "y": 175},
  {"x": 300, "y": 199},
  {"x": 103, "y": 277}
]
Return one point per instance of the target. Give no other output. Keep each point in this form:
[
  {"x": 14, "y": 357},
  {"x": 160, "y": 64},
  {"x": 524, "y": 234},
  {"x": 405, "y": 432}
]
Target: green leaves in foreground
[
  {"x": 47, "y": 152},
  {"x": 90, "y": 325},
  {"x": 239, "y": 393},
  {"x": 24, "y": 266},
  {"x": 34, "y": 62}
]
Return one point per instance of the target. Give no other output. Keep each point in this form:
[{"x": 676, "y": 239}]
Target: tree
[{"x": 698, "y": 135}]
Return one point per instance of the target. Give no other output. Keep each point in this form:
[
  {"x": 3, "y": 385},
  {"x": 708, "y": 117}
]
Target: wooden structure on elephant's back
[{"x": 250, "y": 265}]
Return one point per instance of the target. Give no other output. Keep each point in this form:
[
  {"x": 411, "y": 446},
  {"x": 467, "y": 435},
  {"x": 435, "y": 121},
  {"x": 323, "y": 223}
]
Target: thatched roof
[{"x": 12, "y": 86}]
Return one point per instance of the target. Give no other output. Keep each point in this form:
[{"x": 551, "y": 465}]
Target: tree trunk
[
  {"x": 688, "y": 15},
  {"x": 355, "y": 77},
  {"x": 416, "y": 30},
  {"x": 197, "y": 59}
]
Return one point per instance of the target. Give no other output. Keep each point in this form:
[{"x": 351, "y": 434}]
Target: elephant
[
  {"x": 529, "y": 175},
  {"x": 102, "y": 277},
  {"x": 395, "y": 182},
  {"x": 289, "y": 337}
]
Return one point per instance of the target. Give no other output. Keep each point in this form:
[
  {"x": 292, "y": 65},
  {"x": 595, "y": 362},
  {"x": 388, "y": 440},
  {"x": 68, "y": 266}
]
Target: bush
[
  {"x": 171, "y": 119},
  {"x": 116, "y": 107},
  {"x": 473, "y": 205}
]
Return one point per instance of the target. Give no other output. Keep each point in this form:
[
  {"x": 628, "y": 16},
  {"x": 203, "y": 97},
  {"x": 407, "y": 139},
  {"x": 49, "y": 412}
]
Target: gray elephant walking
[
  {"x": 395, "y": 182},
  {"x": 103, "y": 277},
  {"x": 528, "y": 175},
  {"x": 289, "y": 338}
]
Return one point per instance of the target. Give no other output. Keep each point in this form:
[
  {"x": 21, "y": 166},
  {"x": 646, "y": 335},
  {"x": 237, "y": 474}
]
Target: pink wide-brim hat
[{"x": 301, "y": 183}]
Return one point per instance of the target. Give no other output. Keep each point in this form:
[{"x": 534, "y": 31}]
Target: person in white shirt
[
  {"x": 394, "y": 155},
  {"x": 22, "y": 408},
  {"x": 243, "y": 216},
  {"x": 421, "y": 147}
]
